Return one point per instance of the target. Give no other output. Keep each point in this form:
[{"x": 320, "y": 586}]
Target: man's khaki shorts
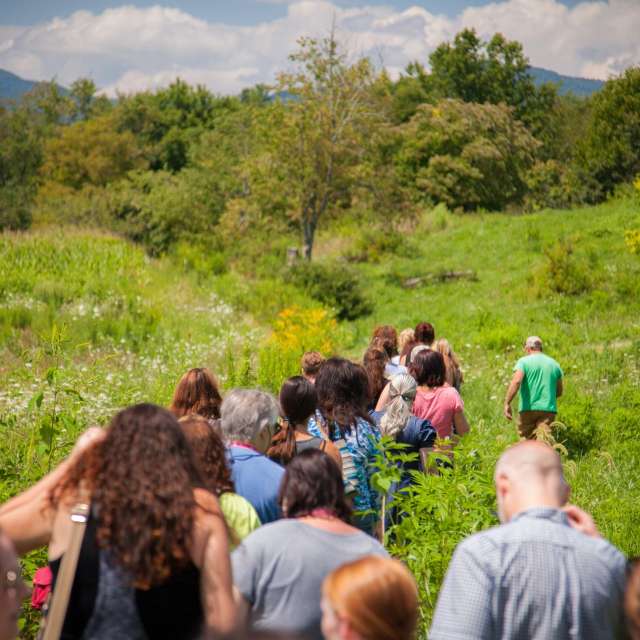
[{"x": 529, "y": 421}]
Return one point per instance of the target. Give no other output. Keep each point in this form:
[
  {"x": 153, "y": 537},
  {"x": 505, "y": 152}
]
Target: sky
[{"x": 231, "y": 44}]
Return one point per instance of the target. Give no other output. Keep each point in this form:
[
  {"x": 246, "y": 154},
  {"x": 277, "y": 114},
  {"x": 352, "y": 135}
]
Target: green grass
[
  {"x": 521, "y": 263},
  {"x": 89, "y": 324}
]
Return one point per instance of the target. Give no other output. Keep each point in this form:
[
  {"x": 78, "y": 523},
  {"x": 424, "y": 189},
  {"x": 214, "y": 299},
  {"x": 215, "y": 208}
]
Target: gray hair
[
  {"x": 246, "y": 412},
  {"x": 534, "y": 342},
  {"x": 402, "y": 392}
]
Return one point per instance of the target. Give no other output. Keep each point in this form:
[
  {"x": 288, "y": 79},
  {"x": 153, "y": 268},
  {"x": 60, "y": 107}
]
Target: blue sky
[
  {"x": 241, "y": 12},
  {"x": 230, "y": 44}
]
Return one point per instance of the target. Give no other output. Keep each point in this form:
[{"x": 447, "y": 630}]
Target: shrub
[
  {"x": 581, "y": 432},
  {"x": 333, "y": 285},
  {"x": 548, "y": 185},
  {"x": 632, "y": 240},
  {"x": 563, "y": 272},
  {"x": 375, "y": 244},
  {"x": 297, "y": 330},
  {"x": 467, "y": 155}
]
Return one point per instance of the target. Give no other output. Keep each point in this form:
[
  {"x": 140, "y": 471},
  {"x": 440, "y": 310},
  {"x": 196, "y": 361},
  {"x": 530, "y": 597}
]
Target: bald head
[{"x": 528, "y": 475}]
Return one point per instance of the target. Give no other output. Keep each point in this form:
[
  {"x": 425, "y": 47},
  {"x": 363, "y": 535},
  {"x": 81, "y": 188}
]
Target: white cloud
[{"x": 129, "y": 48}]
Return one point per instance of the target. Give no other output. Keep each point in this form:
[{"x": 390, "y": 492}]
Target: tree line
[{"x": 333, "y": 137}]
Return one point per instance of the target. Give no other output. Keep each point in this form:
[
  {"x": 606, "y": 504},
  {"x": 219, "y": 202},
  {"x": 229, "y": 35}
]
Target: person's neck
[
  {"x": 301, "y": 429},
  {"x": 536, "y": 502}
]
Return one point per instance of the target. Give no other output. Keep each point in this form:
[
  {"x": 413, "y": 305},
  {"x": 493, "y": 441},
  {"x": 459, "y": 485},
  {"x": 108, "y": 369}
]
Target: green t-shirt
[
  {"x": 538, "y": 388},
  {"x": 239, "y": 514}
]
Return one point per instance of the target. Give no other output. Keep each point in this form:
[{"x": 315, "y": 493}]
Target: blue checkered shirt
[{"x": 534, "y": 578}]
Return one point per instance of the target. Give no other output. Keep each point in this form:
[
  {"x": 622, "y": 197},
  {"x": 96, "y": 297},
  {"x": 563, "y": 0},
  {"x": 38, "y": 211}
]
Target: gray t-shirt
[{"x": 279, "y": 569}]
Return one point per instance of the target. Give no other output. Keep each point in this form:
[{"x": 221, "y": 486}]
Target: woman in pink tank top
[{"x": 435, "y": 400}]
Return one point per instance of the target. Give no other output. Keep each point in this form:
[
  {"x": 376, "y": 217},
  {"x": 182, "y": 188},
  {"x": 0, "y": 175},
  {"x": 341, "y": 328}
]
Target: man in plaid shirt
[{"x": 544, "y": 574}]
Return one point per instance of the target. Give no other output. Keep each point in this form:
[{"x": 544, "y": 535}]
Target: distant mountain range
[
  {"x": 13, "y": 87},
  {"x": 566, "y": 84}
]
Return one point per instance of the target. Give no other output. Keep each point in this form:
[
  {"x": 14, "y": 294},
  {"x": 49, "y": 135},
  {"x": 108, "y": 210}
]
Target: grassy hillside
[
  {"x": 564, "y": 275},
  {"x": 88, "y": 324}
]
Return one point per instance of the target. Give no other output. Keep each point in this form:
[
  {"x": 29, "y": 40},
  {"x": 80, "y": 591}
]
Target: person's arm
[
  {"x": 514, "y": 385},
  {"x": 44, "y": 486},
  {"x": 28, "y": 518},
  {"x": 460, "y": 423},
  {"x": 559, "y": 388},
  {"x": 383, "y": 400},
  {"x": 211, "y": 554},
  {"x": 29, "y": 525},
  {"x": 333, "y": 451}
]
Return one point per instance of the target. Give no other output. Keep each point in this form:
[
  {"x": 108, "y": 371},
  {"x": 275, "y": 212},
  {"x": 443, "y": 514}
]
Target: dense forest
[{"x": 334, "y": 137}]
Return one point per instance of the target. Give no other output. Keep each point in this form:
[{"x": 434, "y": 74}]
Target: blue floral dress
[{"x": 358, "y": 448}]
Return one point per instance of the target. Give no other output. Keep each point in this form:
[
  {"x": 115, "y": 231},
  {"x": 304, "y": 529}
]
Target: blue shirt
[
  {"x": 534, "y": 578},
  {"x": 257, "y": 479}
]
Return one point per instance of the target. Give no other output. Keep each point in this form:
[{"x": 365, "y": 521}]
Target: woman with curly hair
[
  {"x": 343, "y": 395},
  {"x": 278, "y": 569},
  {"x": 197, "y": 392},
  {"x": 154, "y": 558},
  {"x": 211, "y": 460}
]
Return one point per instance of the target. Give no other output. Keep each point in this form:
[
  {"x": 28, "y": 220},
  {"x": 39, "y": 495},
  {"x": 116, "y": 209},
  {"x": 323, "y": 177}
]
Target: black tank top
[
  {"x": 311, "y": 443},
  {"x": 103, "y": 606}
]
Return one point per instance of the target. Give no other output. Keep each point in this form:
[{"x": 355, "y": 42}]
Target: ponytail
[{"x": 283, "y": 443}]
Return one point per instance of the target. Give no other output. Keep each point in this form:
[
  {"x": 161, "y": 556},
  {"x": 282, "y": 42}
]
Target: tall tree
[
  {"x": 496, "y": 71},
  {"x": 609, "y": 153},
  {"x": 316, "y": 133}
]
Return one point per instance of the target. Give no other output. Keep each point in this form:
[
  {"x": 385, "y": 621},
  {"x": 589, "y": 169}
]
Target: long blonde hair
[
  {"x": 377, "y": 596},
  {"x": 452, "y": 366}
]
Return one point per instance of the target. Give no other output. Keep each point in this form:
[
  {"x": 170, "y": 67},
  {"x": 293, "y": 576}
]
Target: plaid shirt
[{"x": 534, "y": 578}]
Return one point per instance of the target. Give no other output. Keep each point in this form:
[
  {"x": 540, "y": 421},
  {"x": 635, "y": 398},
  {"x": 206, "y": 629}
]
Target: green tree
[
  {"x": 412, "y": 89},
  {"x": 169, "y": 121},
  {"x": 495, "y": 71},
  {"x": 84, "y": 100},
  {"x": 467, "y": 155},
  {"x": 609, "y": 153},
  {"x": 20, "y": 158},
  {"x": 315, "y": 136},
  {"x": 90, "y": 152}
]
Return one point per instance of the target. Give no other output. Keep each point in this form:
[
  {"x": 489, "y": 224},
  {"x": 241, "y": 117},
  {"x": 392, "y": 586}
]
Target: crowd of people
[{"x": 252, "y": 516}]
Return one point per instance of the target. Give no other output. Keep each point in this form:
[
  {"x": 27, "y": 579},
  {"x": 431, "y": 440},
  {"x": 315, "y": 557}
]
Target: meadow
[{"x": 89, "y": 323}]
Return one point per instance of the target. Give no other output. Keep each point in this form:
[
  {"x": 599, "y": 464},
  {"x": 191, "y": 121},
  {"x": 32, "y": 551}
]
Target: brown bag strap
[{"x": 60, "y": 597}]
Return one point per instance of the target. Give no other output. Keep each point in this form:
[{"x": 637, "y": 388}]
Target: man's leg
[
  {"x": 543, "y": 421},
  {"x": 527, "y": 424}
]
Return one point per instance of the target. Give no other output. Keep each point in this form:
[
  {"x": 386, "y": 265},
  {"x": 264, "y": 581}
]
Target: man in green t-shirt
[{"x": 539, "y": 379}]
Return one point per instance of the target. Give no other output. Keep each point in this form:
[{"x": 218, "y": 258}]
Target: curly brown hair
[
  {"x": 386, "y": 335},
  {"x": 343, "y": 393},
  {"x": 374, "y": 362},
  {"x": 209, "y": 452},
  {"x": 141, "y": 480},
  {"x": 197, "y": 392}
]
